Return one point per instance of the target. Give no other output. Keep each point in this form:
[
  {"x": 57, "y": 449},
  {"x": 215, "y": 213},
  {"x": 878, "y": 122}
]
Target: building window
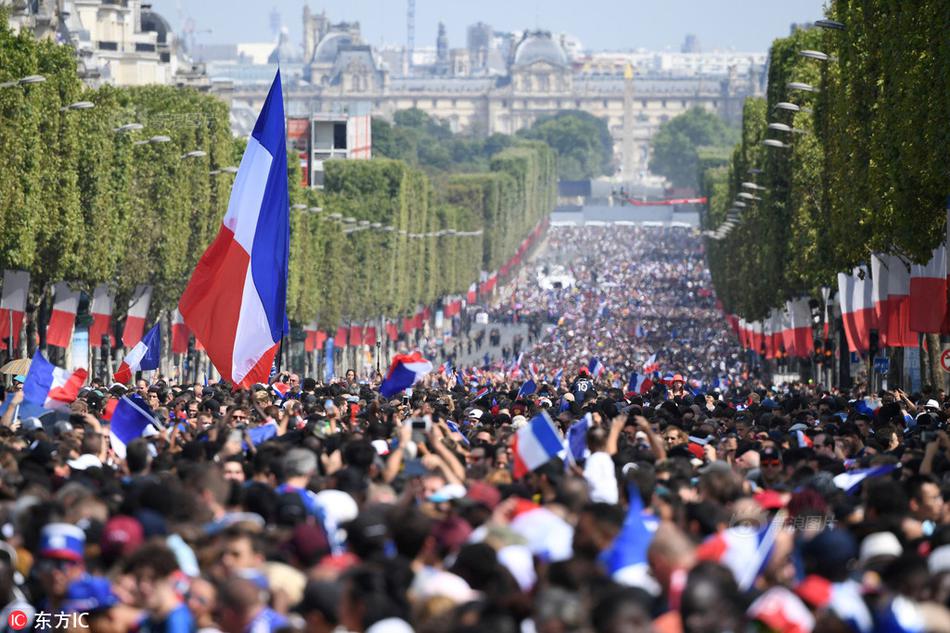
[
  {"x": 606, "y": 104},
  {"x": 715, "y": 104},
  {"x": 664, "y": 103},
  {"x": 339, "y": 136}
]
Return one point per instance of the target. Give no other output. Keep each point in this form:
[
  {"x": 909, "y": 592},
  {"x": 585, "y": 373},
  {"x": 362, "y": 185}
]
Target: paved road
[{"x": 477, "y": 358}]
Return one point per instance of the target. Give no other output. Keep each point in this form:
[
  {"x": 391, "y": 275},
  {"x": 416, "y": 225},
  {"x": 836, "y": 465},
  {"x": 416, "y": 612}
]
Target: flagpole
[{"x": 280, "y": 353}]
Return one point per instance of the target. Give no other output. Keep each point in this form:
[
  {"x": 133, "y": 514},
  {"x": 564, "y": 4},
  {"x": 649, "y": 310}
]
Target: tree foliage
[
  {"x": 582, "y": 141},
  {"x": 868, "y": 169},
  {"x": 83, "y": 202},
  {"x": 677, "y": 145}
]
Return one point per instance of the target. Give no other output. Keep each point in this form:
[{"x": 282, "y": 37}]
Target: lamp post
[
  {"x": 78, "y": 105},
  {"x": 23, "y": 81}
]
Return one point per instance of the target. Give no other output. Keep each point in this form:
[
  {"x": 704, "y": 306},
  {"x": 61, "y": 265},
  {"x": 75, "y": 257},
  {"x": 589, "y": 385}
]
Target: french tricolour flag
[
  {"x": 129, "y": 419},
  {"x": 236, "y": 301},
  {"x": 851, "y": 481},
  {"x": 59, "y": 332},
  {"x": 16, "y": 286},
  {"x": 595, "y": 367},
  {"x": 180, "y": 333},
  {"x": 651, "y": 366},
  {"x": 857, "y": 308},
  {"x": 744, "y": 550},
  {"x": 49, "y": 387},
  {"x": 639, "y": 383},
  {"x": 535, "y": 444},
  {"x": 145, "y": 355},
  {"x": 101, "y": 309},
  {"x": 405, "y": 371},
  {"x": 928, "y": 292},
  {"x": 135, "y": 317}
]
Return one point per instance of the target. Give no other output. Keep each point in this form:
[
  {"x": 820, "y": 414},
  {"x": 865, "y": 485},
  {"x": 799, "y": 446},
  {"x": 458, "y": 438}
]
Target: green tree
[
  {"x": 677, "y": 145},
  {"x": 582, "y": 141}
]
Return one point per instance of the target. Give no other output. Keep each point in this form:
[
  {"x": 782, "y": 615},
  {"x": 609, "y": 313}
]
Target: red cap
[
  {"x": 483, "y": 493},
  {"x": 769, "y": 499},
  {"x": 697, "y": 450},
  {"x": 121, "y": 536}
]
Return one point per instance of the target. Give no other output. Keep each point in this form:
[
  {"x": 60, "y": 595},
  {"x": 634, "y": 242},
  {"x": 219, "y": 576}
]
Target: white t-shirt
[{"x": 601, "y": 477}]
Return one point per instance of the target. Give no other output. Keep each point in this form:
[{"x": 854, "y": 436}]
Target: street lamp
[
  {"x": 754, "y": 171},
  {"x": 128, "y": 127},
  {"x": 771, "y": 142},
  {"x": 349, "y": 220},
  {"x": 818, "y": 55},
  {"x": 389, "y": 228},
  {"x": 753, "y": 186},
  {"x": 197, "y": 153},
  {"x": 335, "y": 216},
  {"x": 229, "y": 170},
  {"x": 739, "y": 203},
  {"x": 830, "y": 24},
  {"x": 798, "y": 85},
  {"x": 298, "y": 207},
  {"x": 154, "y": 139},
  {"x": 24, "y": 81},
  {"x": 790, "y": 107},
  {"x": 79, "y": 105},
  {"x": 363, "y": 223},
  {"x": 376, "y": 225},
  {"x": 316, "y": 209}
]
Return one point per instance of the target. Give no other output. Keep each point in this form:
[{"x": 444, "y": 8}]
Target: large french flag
[
  {"x": 405, "y": 371},
  {"x": 50, "y": 387},
  {"x": 59, "y": 332},
  {"x": 101, "y": 309},
  {"x": 744, "y": 550},
  {"x": 472, "y": 293},
  {"x": 535, "y": 444},
  {"x": 898, "y": 332},
  {"x": 236, "y": 301},
  {"x": 857, "y": 308},
  {"x": 803, "y": 343},
  {"x": 928, "y": 293},
  {"x": 144, "y": 356},
  {"x": 310, "y": 342},
  {"x": 135, "y": 317},
  {"x": 16, "y": 286}
]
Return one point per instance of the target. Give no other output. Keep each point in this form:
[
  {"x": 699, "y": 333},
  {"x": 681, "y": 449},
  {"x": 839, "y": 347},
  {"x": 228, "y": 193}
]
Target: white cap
[
  {"x": 932, "y": 404},
  {"x": 518, "y": 421},
  {"x": 443, "y": 584},
  {"x": 476, "y": 413},
  {"x": 939, "y": 560},
  {"x": 338, "y": 505},
  {"x": 879, "y": 544},
  {"x": 382, "y": 448}
]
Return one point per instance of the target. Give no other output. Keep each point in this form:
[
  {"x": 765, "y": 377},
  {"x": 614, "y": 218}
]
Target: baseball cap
[
  {"x": 448, "y": 492},
  {"x": 770, "y": 452},
  {"x": 932, "y": 404},
  {"x": 879, "y": 544},
  {"x": 89, "y": 594},
  {"x": 121, "y": 535},
  {"x": 476, "y": 413},
  {"x": 62, "y": 541},
  {"x": 486, "y": 494}
]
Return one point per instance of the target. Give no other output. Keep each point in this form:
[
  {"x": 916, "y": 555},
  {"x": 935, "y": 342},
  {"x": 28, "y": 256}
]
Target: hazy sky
[{"x": 744, "y": 25}]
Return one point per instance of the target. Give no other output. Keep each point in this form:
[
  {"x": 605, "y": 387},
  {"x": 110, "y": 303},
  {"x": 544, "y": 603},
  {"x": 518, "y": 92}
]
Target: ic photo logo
[{"x": 18, "y": 620}]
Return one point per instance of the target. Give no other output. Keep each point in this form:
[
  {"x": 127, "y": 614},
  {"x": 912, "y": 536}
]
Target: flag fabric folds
[
  {"x": 405, "y": 371},
  {"x": 129, "y": 421},
  {"x": 59, "y": 331},
  {"x": 101, "y": 309},
  {"x": 851, "y": 481},
  {"x": 16, "y": 286},
  {"x": 144, "y": 356},
  {"x": 639, "y": 383},
  {"x": 135, "y": 317},
  {"x": 49, "y": 387},
  {"x": 180, "y": 333},
  {"x": 928, "y": 293},
  {"x": 528, "y": 387},
  {"x": 857, "y": 309},
  {"x": 626, "y": 558},
  {"x": 236, "y": 301},
  {"x": 535, "y": 444},
  {"x": 595, "y": 367}
]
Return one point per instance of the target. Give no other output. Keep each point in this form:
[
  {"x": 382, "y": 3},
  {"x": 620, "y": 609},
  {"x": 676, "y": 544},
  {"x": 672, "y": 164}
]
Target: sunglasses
[
  {"x": 772, "y": 462},
  {"x": 238, "y": 417}
]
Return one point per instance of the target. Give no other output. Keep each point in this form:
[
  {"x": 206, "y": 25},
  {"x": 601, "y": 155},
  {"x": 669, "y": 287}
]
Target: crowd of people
[
  {"x": 633, "y": 292},
  {"x": 305, "y": 505}
]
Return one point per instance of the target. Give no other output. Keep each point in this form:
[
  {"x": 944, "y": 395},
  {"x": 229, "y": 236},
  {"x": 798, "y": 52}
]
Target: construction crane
[{"x": 410, "y": 31}]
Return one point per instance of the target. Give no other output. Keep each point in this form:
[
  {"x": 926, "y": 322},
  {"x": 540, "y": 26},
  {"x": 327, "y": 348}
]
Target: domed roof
[
  {"x": 285, "y": 51},
  {"x": 329, "y": 46},
  {"x": 539, "y": 46},
  {"x": 152, "y": 21}
]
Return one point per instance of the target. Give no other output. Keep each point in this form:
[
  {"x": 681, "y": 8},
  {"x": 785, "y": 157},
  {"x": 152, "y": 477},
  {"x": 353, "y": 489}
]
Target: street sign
[
  {"x": 882, "y": 364},
  {"x": 945, "y": 360}
]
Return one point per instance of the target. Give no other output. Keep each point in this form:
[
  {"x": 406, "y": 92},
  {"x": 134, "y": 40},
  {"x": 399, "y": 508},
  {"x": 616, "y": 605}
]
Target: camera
[{"x": 420, "y": 427}]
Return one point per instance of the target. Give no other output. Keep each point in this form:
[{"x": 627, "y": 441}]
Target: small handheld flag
[
  {"x": 144, "y": 356},
  {"x": 595, "y": 367},
  {"x": 535, "y": 444},
  {"x": 405, "y": 371},
  {"x": 527, "y": 388}
]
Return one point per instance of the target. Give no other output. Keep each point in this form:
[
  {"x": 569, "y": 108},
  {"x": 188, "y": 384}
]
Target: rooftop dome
[
  {"x": 539, "y": 46},
  {"x": 152, "y": 21},
  {"x": 285, "y": 51},
  {"x": 329, "y": 46}
]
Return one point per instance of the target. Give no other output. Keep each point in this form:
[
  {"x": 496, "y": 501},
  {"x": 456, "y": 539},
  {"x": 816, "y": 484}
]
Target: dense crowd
[
  {"x": 302, "y": 505},
  {"x": 636, "y": 292}
]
